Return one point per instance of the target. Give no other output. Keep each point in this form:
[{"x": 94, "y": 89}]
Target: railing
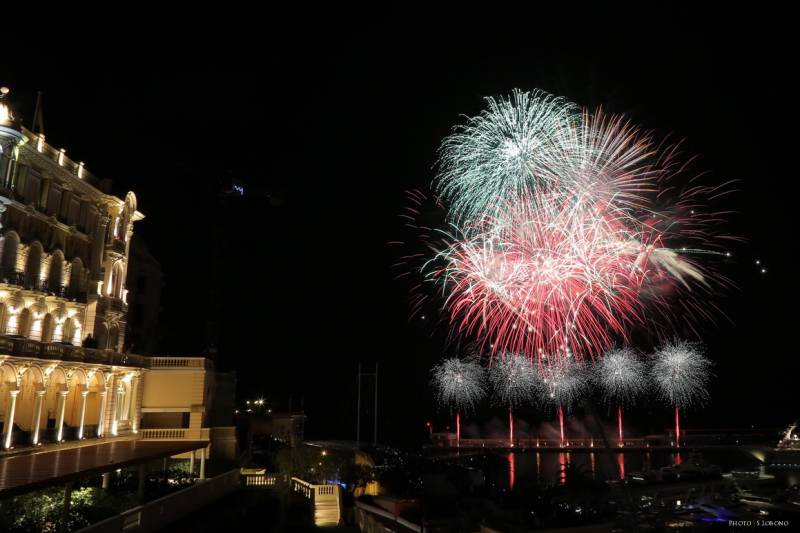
[
  {"x": 180, "y": 362},
  {"x": 22, "y": 347},
  {"x": 155, "y": 515},
  {"x": 252, "y": 477},
  {"x": 302, "y": 487},
  {"x": 326, "y": 500},
  {"x": 174, "y": 434},
  {"x": 162, "y": 434},
  {"x": 18, "y": 279}
]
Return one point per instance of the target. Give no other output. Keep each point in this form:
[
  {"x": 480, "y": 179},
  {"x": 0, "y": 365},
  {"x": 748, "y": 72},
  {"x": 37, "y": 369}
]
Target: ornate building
[{"x": 64, "y": 250}]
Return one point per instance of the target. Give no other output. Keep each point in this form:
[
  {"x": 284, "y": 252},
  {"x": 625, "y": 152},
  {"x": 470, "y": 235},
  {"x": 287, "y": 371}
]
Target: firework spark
[
  {"x": 459, "y": 383},
  {"x": 681, "y": 372},
  {"x": 514, "y": 380}
]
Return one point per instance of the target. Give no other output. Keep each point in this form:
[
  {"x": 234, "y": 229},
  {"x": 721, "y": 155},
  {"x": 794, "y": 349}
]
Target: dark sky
[{"x": 329, "y": 121}]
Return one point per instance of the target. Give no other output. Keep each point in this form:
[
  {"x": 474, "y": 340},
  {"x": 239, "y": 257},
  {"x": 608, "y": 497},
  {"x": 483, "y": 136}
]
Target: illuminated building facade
[{"x": 64, "y": 250}]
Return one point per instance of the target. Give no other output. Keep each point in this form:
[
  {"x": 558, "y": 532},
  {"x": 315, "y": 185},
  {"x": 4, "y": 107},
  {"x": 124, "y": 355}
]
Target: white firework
[
  {"x": 459, "y": 383},
  {"x": 563, "y": 381},
  {"x": 514, "y": 380},
  {"x": 621, "y": 375},
  {"x": 681, "y": 372},
  {"x": 513, "y": 148}
]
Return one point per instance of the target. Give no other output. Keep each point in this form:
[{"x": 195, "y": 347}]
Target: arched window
[
  {"x": 24, "y": 326},
  {"x": 76, "y": 277},
  {"x": 48, "y": 325},
  {"x": 102, "y": 336},
  {"x": 69, "y": 330},
  {"x": 113, "y": 338},
  {"x": 117, "y": 279},
  {"x": 124, "y": 401},
  {"x": 8, "y": 263},
  {"x": 34, "y": 264},
  {"x": 56, "y": 275}
]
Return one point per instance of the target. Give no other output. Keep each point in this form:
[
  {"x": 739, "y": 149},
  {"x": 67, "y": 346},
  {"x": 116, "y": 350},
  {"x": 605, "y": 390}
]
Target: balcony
[
  {"x": 18, "y": 279},
  {"x": 22, "y": 347}
]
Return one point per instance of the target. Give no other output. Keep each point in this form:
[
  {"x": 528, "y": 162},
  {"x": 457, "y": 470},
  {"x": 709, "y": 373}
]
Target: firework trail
[
  {"x": 622, "y": 377},
  {"x": 460, "y": 385},
  {"x": 514, "y": 381},
  {"x": 680, "y": 372},
  {"x": 563, "y": 383}
]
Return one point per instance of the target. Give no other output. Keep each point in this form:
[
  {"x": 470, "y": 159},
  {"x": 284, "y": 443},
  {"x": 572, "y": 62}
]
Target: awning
[{"x": 24, "y": 473}]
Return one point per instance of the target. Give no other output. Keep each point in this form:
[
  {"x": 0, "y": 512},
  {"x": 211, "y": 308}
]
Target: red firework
[{"x": 555, "y": 276}]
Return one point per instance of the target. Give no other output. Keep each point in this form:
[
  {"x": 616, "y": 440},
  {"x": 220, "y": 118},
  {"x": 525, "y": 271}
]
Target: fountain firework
[
  {"x": 622, "y": 377},
  {"x": 680, "y": 372},
  {"x": 563, "y": 382},
  {"x": 460, "y": 385},
  {"x": 514, "y": 382}
]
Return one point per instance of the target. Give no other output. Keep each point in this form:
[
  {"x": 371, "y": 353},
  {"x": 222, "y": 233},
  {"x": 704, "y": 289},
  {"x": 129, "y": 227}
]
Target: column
[
  {"x": 191, "y": 463},
  {"x": 117, "y": 411},
  {"x": 203, "y": 463},
  {"x": 106, "y": 479},
  {"x": 62, "y": 404},
  {"x": 37, "y": 416},
  {"x": 101, "y": 421},
  {"x": 9, "y": 422},
  {"x": 136, "y": 402},
  {"x": 82, "y": 408}
]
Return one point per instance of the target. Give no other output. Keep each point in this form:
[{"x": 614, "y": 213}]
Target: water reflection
[
  {"x": 523, "y": 467},
  {"x": 511, "y": 460}
]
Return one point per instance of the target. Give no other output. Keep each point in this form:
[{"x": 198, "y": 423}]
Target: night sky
[{"x": 327, "y": 122}]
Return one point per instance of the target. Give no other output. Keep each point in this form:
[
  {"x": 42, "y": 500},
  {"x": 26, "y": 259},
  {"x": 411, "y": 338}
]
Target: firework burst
[
  {"x": 681, "y": 372},
  {"x": 514, "y": 380},
  {"x": 547, "y": 279},
  {"x": 514, "y": 147},
  {"x": 459, "y": 383},
  {"x": 622, "y": 376},
  {"x": 566, "y": 232}
]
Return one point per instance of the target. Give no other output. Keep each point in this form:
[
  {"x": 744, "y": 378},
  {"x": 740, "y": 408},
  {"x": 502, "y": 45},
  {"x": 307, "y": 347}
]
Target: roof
[{"x": 24, "y": 473}]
